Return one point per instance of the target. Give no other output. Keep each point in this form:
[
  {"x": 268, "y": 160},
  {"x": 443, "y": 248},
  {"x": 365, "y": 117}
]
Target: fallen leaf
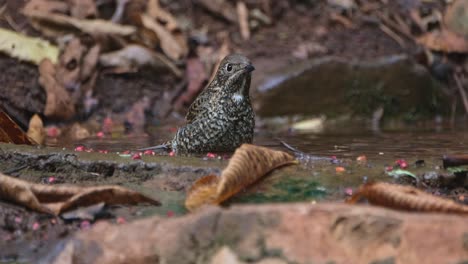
[
  {"x": 57, "y": 199},
  {"x": 76, "y": 132},
  {"x": 82, "y": 8},
  {"x": 26, "y": 48},
  {"x": 137, "y": 56},
  {"x": 406, "y": 198},
  {"x": 203, "y": 191},
  {"x": 444, "y": 40},
  {"x": 68, "y": 70},
  {"x": 196, "y": 77},
  {"x": 90, "y": 60},
  {"x": 119, "y": 11},
  {"x": 46, "y": 6},
  {"x": 169, "y": 43},
  {"x": 248, "y": 165},
  {"x": 158, "y": 13},
  {"x": 58, "y": 25},
  {"x": 58, "y": 104},
  {"x": 243, "y": 16},
  {"x": 36, "y": 130},
  {"x": 10, "y": 132}
]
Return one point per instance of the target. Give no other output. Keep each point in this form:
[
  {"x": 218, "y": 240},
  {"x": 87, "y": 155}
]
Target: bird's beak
[{"x": 249, "y": 68}]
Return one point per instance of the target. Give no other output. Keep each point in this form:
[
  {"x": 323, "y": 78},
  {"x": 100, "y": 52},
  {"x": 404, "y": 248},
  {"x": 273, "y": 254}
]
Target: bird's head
[{"x": 234, "y": 74}]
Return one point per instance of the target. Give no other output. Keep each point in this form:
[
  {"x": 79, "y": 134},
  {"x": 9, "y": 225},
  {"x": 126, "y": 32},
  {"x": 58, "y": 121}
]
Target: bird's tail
[{"x": 165, "y": 146}]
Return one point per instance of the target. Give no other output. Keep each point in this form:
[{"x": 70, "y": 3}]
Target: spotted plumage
[{"x": 221, "y": 118}]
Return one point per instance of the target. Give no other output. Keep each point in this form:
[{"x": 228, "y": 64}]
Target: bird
[{"x": 221, "y": 118}]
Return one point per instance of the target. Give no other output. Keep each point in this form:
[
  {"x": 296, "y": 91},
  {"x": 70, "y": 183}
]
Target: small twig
[
  {"x": 394, "y": 26},
  {"x": 392, "y": 35},
  {"x": 342, "y": 20},
  {"x": 462, "y": 91}
]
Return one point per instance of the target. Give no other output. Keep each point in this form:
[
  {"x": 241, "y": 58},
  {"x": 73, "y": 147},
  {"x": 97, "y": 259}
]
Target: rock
[
  {"x": 336, "y": 86},
  {"x": 284, "y": 233}
]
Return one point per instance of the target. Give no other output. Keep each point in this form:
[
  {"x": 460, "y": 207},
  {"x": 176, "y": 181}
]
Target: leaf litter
[
  {"x": 248, "y": 165},
  {"x": 58, "y": 199}
]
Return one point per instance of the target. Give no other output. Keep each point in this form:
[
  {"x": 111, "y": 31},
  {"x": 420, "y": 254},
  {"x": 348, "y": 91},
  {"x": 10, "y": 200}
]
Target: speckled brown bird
[{"x": 221, "y": 118}]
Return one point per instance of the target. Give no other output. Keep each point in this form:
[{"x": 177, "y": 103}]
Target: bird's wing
[
  {"x": 201, "y": 132},
  {"x": 198, "y": 106}
]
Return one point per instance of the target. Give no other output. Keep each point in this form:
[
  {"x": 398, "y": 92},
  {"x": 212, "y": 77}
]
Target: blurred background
[{"x": 332, "y": 76}]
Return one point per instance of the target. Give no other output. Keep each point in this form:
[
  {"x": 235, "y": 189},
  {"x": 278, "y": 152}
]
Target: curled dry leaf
[
  {"x": 57, "y": 199},
  {"x": 243, "y": 15},
  {"x": 203, "y": 191},
  {"x": 169, "y": 44},
  {"x": 57, "y": 25},
  {"x": 136, "y": 56},
  {"x": 36, "y": 130},
  {"x": 406, "y": 198},
  {"x": 196, "y": 76},
  {"x": 10, "y": 132},
  {"x": 248, "y": 164},
  {"x": 26, "y": 48},
  {"x": 445, "y": 41},
  {"x": 58, "y": 104}
]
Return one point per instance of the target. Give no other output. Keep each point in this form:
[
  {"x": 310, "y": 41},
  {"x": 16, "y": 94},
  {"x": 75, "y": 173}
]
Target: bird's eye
[{"x": 229, "y": 67}]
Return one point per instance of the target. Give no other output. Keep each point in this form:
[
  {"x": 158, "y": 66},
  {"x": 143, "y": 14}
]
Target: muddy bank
[
  {"x": 68, "y": 166},
  {"x": 289, "y": 233}
]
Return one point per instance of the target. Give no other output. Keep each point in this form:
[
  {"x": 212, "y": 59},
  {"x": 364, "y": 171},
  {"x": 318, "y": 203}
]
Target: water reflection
[{"x": 344, "y": 143}]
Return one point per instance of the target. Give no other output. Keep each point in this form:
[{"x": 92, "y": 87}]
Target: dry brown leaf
[
  {"x": 203, "y": 191},
  {"x": 10, "y": 132},
  {"x": 406, "y": 198},
  {"x": 169, "y": 44},
  {"x": 137, "y": 56},
  {"x": 36, "y": 130},
  {"x": 46, "y": 6},
  {"x": 90, "y": 60},
  {"x": 68, "y": 70},
  {"x": 248, "y": 165},
  {"x": 221, "y": 8},
  {"x": 243, "y": 15},
  {"x": 57, "y": 25},
  {"x": 83, "y": 8},
  {"x": 58, "y": 199},
  {"x": 444, "y": 40},
  {"x": 156, "y": 12},
  {"x": 59, "y": 103},
  {"x": 196, "y": 77}
]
